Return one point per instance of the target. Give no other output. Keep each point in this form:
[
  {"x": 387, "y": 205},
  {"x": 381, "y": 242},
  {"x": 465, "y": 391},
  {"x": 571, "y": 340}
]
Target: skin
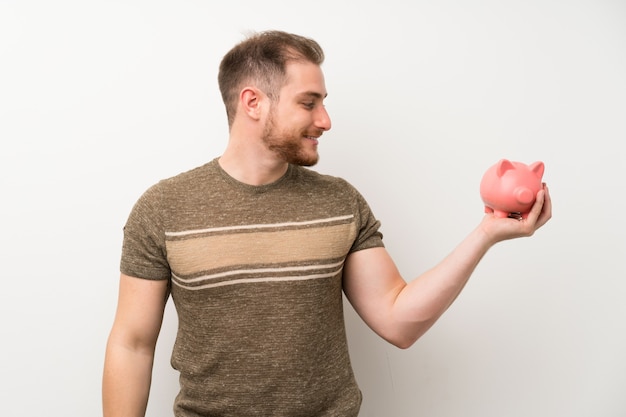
[{"x": 264, "y": 138}]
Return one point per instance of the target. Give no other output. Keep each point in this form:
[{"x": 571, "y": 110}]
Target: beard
[{"x": 289, "y": 145}]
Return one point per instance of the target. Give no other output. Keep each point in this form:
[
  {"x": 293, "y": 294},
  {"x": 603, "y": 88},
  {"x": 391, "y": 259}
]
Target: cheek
[{"x": 291, "y": 120}]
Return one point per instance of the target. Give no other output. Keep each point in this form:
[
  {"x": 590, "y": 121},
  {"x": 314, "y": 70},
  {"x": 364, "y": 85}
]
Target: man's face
[{"x": 298, "y": 118}]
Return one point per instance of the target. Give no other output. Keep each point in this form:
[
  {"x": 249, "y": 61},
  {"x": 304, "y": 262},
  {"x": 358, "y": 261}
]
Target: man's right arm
[{"x": 130, "y": 348}]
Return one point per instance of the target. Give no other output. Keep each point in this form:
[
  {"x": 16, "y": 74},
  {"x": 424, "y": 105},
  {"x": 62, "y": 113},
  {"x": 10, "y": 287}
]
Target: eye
[{"x": 309, "y": 105}]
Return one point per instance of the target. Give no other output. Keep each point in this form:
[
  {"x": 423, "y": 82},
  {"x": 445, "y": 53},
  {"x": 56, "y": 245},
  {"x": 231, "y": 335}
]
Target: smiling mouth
[{"x": 315, "y": 138}]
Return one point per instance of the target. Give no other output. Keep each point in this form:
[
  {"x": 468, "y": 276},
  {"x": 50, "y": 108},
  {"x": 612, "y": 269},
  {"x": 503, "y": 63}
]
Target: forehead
[{"x": 304, "y": 78}]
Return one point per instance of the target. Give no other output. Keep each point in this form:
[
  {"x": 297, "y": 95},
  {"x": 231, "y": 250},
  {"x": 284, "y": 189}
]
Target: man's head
[{"x": 261, "y": 59}]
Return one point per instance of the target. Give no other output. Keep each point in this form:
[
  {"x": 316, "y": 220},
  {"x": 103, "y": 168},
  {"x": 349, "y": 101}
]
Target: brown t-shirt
[{"x": 256, "y": 278}]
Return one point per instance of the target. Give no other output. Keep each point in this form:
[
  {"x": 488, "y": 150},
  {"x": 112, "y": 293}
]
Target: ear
[
  {"x": 251, "y": 101},
  {"x": 537, "y": 168},
  {"x": 503, "y": 166}
]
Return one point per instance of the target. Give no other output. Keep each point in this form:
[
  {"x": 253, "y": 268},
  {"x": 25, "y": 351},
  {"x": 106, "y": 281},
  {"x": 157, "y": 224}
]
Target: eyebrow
[{"x": 313, "y": 94}]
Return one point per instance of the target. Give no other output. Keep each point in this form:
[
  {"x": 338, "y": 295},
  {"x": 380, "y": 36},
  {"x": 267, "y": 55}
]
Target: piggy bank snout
[{"x": 524, "y": 195}]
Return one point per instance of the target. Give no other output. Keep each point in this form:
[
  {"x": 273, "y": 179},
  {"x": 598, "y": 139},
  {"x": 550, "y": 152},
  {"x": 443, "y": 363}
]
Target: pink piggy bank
[{"x": 510, "y": 188}]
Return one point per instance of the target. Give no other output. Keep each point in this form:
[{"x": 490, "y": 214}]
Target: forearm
[
  {"x": 422, "y": 301},
  {"x": 126, "y": 381}
]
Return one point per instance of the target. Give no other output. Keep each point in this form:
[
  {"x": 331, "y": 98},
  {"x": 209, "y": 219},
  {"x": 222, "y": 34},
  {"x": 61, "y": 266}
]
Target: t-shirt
[{"x": 256, "y": 278}]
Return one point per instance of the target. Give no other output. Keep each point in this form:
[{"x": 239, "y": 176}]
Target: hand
[{"x": 499, "y": 229}]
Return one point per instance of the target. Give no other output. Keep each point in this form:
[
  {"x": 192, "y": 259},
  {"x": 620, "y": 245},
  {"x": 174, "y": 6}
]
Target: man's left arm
[{"x": 400, "y": 312}]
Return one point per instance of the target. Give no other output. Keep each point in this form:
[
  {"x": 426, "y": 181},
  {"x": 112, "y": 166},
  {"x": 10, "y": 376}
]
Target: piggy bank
[{"x": 510, "y": 188}]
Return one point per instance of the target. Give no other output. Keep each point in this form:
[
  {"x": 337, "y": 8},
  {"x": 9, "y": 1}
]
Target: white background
[{"x": 100, "y": 99}]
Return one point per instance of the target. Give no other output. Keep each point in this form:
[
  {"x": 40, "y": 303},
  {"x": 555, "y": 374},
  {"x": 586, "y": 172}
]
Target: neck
[{"x": 252, "y": 165}]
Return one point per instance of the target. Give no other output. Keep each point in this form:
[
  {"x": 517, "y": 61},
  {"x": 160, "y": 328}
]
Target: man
[{"x": 256, "y": 250}]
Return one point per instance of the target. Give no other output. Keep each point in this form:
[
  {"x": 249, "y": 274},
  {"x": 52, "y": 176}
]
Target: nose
[
  {"x": 322, "y": 119},
  {"x": 524, "y": 195}
]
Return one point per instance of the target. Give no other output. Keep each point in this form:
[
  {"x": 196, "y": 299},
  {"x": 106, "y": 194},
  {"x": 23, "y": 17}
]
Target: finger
[
  {"x": 546, "y": 210},
  {"x": 537, "y": 208},
  {"x": 546, "y": 194}
]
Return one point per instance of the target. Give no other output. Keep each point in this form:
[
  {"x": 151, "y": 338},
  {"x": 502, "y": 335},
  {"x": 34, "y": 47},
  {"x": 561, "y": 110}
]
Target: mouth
[{"x": 314, "y": 139}]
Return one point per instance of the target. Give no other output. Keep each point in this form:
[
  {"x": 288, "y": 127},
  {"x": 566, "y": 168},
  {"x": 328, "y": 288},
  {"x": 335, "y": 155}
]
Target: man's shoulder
[
  {"x": 179, "y": 185},
  {"x": 328, "y": 186},
  {"x": 313, "y": 176},
  {"x": 191, "y": 175}
]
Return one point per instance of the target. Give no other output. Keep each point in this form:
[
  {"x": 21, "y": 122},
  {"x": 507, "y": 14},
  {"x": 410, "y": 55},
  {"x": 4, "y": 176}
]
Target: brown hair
[{"x": 261, "y": 59}]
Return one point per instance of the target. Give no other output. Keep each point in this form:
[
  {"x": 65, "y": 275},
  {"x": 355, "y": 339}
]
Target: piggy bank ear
[
  {"x": 503, "y": 166},
  {"x": 537, "y": 168}
]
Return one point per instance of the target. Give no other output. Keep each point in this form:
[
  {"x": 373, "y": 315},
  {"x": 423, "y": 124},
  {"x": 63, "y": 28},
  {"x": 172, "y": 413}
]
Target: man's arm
[
  {"x": 131, "y": 344},
  {"x": 401, "y": 312}
]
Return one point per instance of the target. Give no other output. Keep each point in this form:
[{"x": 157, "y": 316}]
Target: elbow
[
  {"x": 403, "y": 341},
  {"x": 404, "y": 344},
  {"x": 406, "y": 335}
]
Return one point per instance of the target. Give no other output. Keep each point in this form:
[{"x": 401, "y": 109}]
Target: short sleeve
[
  {"x": 143, "y": 249},
  {"x": 369, "y": 235}
]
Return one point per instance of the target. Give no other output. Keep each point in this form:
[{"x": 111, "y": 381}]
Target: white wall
[{"x": 100, "y": 99}]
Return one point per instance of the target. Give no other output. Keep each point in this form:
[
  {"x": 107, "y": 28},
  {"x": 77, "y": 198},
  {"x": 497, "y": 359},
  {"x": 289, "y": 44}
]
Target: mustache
[{"x": 316, "y": 134}]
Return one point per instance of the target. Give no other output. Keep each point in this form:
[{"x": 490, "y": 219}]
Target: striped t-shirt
[{"x": 255, "y": 275}]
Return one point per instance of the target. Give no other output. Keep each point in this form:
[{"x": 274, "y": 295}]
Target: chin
[
  {"x": 305, "y": 159},
  {"x": 313, "y": 161},
  {"x": 305, "y": 162}
]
